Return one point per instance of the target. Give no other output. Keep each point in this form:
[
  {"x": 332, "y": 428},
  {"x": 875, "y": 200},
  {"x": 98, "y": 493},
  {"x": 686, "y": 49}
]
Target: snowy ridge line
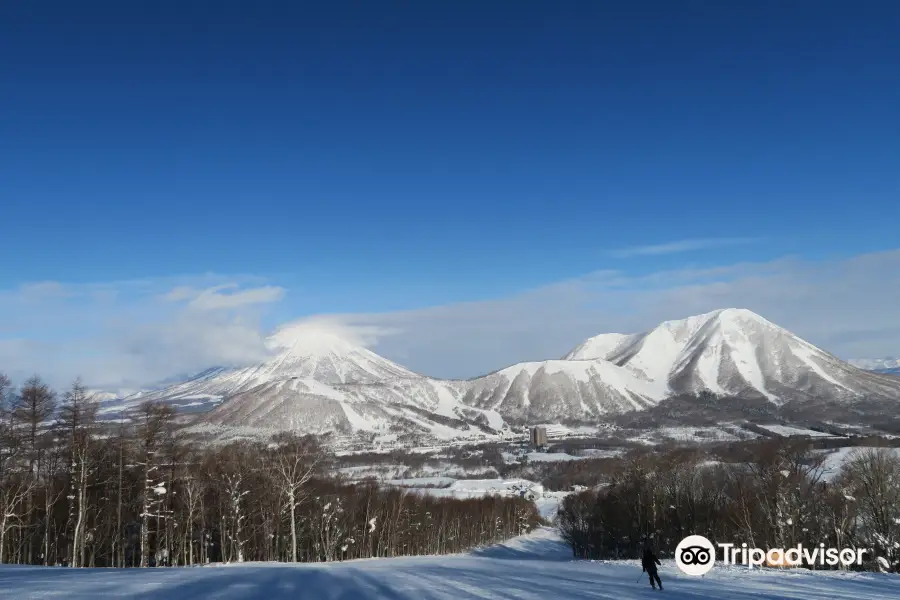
[{"x": 876, "y": 364}]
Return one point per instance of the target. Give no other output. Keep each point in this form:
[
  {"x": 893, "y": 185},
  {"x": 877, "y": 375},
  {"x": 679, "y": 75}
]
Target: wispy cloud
[
  {"x": 847, "y": 307},
  {"x": 41, "y": 290},
  {"x": 127, "y": 334},
  {"x": 680, "y": 246},
  {"x": 213, "y": 299}
]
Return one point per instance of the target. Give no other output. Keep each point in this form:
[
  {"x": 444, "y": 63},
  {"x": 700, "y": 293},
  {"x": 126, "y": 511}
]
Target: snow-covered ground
[
  {"x": 422, "y": 482},
  {"x": 391, "y": 472},
  {"x": 547, "y": 502},
  {"x": 537, "y": 566},
  {"x": 476, "y": 488},
  {"x": 510, "y": 457},
  {"x": 835, "y": 459},
  {"x": 788, "y": 431},
  {"x": 602, "y": 452},
  {"x": 726, "y": 432}
]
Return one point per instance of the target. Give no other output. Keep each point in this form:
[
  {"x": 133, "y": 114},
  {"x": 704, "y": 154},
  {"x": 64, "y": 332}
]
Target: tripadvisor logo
[{"x": 696, "y": 555}]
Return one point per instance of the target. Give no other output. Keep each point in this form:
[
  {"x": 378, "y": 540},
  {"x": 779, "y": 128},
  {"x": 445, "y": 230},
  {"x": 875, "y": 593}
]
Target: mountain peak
[
  {"x": 730, "y": 351},
  {"x": 607, "y": 345},
  {"x": 328, "y": 352},
  {"x": 722, "y": 316},
  {"x": 312, "y": 339},
  {"x": 742, "y": 314},
  {"x": 737, "y": 313}
]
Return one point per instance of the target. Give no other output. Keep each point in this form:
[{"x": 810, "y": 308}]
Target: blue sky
[{"x": 375, "y": 158}]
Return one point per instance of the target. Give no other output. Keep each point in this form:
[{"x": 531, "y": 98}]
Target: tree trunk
[{"x": 293, "y": 506}]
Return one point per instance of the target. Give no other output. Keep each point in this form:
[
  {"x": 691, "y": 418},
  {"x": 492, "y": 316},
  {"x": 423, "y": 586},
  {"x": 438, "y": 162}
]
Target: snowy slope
[
  {"x": 600, "y": 346},
  {"x": 418, "y": 404},
  {"x": 554, "y": 390},
  {"x": 537, "y": 566}
]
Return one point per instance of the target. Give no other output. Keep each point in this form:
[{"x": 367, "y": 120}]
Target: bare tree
[
  {"x": 193, "y": 488},
  {"x": 235, "y": 467},
  {"x": 294, "y": 462},
  {"x": 77, "y": 419},
  {"x": 14, "y": 492},
  {"x": 5, "y": 390},
  {"x": 120, "y": 450},
  {"x": 53, "y": 462},
  {"x": 133, "y": 492},
  {"x": 31, "y": 409},
  {"x": 155, "y": 421},
  {"x": 872, "y": 477},
  {"x": 15, "y": 486}
]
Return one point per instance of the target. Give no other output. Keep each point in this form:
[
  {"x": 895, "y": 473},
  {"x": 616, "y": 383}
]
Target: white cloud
[
  {"x": 128, "y": 334},
  {"x": 212, "y": 298},
  {"x": 680, "y": 246},
  {"x": 848, "y": 307},
  {"x": 41, "y": 290},
  {"x": 345, "y": 327},
  {"x": 181, "y": 293}
]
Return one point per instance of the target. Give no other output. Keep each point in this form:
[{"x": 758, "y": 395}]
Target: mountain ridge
[
  {"x": 888, "y": 363},
  {"x": 317, "y": 380}
]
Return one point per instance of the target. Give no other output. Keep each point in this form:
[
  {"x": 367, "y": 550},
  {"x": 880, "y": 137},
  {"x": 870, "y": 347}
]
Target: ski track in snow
[{"x": 537, "y": 566}]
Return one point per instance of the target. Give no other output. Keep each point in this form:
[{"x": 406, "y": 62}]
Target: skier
[{"x": 649, "y": 562}]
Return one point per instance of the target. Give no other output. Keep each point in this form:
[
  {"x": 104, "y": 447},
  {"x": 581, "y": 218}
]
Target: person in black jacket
[{"x": 649, "y": 562}]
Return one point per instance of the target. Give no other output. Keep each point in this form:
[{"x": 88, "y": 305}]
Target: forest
[
  {"x": 773, "y": 495},
  {"x": 79, "y": 491}
]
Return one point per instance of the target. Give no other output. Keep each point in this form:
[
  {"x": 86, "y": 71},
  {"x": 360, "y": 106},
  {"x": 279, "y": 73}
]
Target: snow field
[
  {"x": 537, "y": 566},
  {"x": 835, "y": 459},
  {"x": 788, "y": 431},
  {"x": 546, "y": 502},
  {"x": 509, "y": 457},
  {"x": 722, "y": 433}
]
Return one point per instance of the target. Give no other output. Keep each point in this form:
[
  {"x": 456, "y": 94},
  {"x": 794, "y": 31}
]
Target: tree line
[
  {"x": 777, "y": 495},
  {"x": 80, "y": 491}
]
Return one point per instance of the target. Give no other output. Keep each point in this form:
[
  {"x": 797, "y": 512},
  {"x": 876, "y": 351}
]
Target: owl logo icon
[{"x": 695, "y": 555}]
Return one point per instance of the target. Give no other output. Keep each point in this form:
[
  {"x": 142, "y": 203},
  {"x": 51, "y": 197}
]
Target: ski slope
[{"x": 537, "y": 566}]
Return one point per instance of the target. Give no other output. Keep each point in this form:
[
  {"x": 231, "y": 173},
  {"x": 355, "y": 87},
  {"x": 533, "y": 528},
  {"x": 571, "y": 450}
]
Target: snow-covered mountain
[
  {"x": 875, "y": 364},
  {"x": 554, "y": 390},
  {"x": 739, "y": 353},
  {"x": 110, "y": 395},
  {"x": 315, "y": 380},
  {"x": 888, "y": 365}
]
